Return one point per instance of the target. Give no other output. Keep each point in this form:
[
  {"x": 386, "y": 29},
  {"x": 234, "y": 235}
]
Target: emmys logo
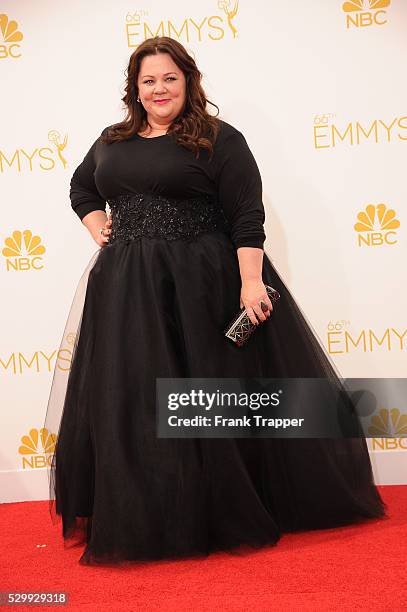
[
  {"x": 23, "y": 251},
  {"x": 39, "y": 361},
  {"x": 328, "y": 135},
  {"x": 230, "y": 14},
  {"x": 341, "y": 341},
  {"x": 37, "y": 448},
  {"x": 376, "y": 225},
  {"x": 22, "y": 160},
  {"x": 364, "y": 13},
  {"x": 10, "y": 36},
  {"x": 64, "y": 356},
  {"x": 212, "y": 27},
  {"x": 389, "y": 423}
]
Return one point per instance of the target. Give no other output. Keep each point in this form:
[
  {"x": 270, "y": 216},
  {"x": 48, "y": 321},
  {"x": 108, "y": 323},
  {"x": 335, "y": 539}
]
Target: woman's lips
[{"x": 161, "y": 101}]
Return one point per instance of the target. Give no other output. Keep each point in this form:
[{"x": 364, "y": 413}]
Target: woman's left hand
[{"x": 252, "y": 293}]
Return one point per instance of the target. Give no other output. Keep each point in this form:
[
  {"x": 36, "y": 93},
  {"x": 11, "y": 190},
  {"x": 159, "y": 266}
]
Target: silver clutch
[{"x": 240, "y": 327}]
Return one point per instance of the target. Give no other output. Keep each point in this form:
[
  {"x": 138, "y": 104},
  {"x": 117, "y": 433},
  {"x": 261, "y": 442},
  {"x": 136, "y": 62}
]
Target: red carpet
[{"x": 351, "y": 568}]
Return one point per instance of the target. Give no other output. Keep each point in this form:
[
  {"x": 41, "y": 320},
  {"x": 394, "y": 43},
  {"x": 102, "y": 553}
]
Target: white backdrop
[{"x": 318, "y": 90}]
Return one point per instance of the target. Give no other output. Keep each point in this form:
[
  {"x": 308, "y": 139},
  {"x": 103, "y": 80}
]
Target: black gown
[{"x": 153, "y": 303}]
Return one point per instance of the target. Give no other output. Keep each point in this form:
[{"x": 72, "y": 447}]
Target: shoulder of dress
[
  {"x": 228, "y": 133},
  {"x": 229, "y": 139},
  {"x": 227, "y": 129},
  {"x": 105, "y": 129}
]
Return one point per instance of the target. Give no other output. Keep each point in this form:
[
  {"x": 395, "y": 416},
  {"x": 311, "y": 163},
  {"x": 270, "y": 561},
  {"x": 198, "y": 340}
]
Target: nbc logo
[
  {"x": 363, "y": 13},
  {"x": 376, "y": 225},
  {"x": 37, "y": 448},
  {"x": 10, "y": 36},
  {"x": 393, "y": 425},
  {"x": 23, "y": 251}
]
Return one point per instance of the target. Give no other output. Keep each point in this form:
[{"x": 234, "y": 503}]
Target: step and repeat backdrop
[{"x": 318, "y": 90}]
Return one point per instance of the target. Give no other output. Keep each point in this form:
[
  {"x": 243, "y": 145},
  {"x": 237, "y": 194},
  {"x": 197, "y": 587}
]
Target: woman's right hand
[
  {"x": 102, "y": 239},
  {"x": 96, "y": 220}
]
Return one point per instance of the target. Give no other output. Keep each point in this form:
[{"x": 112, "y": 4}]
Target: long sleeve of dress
[
  {"x": 240, "y": 192},
  {"x": 83, "y": 191}
]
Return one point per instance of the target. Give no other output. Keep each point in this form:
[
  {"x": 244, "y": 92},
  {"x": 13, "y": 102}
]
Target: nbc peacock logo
[
  {"x": 393, "y": 425},
  {"x": 365, "y": 13},
  {"x": 23, "y": 251},
  {"x": 376, "y": 226},
  {"x": 37, "y": 448},
  {"x": 10, "y": 37}
]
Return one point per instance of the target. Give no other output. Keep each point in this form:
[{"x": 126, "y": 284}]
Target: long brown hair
[{"x": 194, "y": 127}]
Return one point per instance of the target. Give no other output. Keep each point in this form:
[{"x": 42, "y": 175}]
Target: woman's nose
[{"x": 159, "y": 88}]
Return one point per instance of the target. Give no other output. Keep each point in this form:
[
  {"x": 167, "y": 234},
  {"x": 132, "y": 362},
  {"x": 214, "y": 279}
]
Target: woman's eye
[{"x": 150, "y": 80}]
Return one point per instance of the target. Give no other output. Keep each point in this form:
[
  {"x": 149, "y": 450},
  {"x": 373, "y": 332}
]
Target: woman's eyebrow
[{"x": 146, "y": 75}]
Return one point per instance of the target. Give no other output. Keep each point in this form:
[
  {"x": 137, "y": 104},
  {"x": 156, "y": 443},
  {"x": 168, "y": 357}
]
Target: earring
[{"x": 138, "y": 99}]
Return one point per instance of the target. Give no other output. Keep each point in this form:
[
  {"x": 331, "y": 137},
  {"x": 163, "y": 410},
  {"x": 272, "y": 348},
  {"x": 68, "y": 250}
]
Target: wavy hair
[{"x": 194, "y": 127}]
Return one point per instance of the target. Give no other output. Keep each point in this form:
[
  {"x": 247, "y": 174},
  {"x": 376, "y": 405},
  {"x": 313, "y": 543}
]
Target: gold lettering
[
  {"x": 331, "y": 342},
  {"x": 12, "y": 359},
  {"x": 385, "y": 335},
  {"x": 198, "y": 27},
  {"x": 22, "y": 360},
  {"x": 172, "y": 27},
  {"x": 359, "y": 129},
  {"x": 48, "y": 359},
  {"x": 400, "y": 337},
  {"x": 388, "y": 128},
  {"x": 335, "y": 131},
  {"x": 316, "y": 136},
  {"x": 211, "y": 25},
  {"x": 2, "y": 156},
  {"x": 148, "y": 33}
]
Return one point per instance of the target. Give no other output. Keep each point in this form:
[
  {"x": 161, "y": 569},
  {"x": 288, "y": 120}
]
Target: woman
[{"x": 182, "y": 251}]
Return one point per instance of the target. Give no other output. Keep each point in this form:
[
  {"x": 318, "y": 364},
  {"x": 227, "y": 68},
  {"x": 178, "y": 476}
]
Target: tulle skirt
[{"x": 149, "y": 308}]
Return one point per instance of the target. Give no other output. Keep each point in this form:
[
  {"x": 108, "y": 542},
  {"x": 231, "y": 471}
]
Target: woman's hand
[
  {"x": 103, "y": 238},
  {"x": 252, "y": 293},
  {"x": 94, "y": 221}
]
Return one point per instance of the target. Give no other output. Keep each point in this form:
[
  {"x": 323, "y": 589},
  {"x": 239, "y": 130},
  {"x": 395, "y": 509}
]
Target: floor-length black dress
[{"x": 153, "y": 303}]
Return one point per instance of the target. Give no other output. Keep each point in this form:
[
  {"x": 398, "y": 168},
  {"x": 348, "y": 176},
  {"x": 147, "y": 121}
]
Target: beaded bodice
[{"x": 156, "y": 216}]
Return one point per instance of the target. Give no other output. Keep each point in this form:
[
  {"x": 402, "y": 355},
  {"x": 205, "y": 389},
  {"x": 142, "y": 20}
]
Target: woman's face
[{"x": 161, "y": 79}]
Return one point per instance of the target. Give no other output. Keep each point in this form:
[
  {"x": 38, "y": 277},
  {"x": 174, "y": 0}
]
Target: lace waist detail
[{"x": 156, "y": 216}]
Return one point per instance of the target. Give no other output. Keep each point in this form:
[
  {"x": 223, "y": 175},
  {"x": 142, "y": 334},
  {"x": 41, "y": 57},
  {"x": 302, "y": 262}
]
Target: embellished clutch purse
[{"x": 240, "y": 327}]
